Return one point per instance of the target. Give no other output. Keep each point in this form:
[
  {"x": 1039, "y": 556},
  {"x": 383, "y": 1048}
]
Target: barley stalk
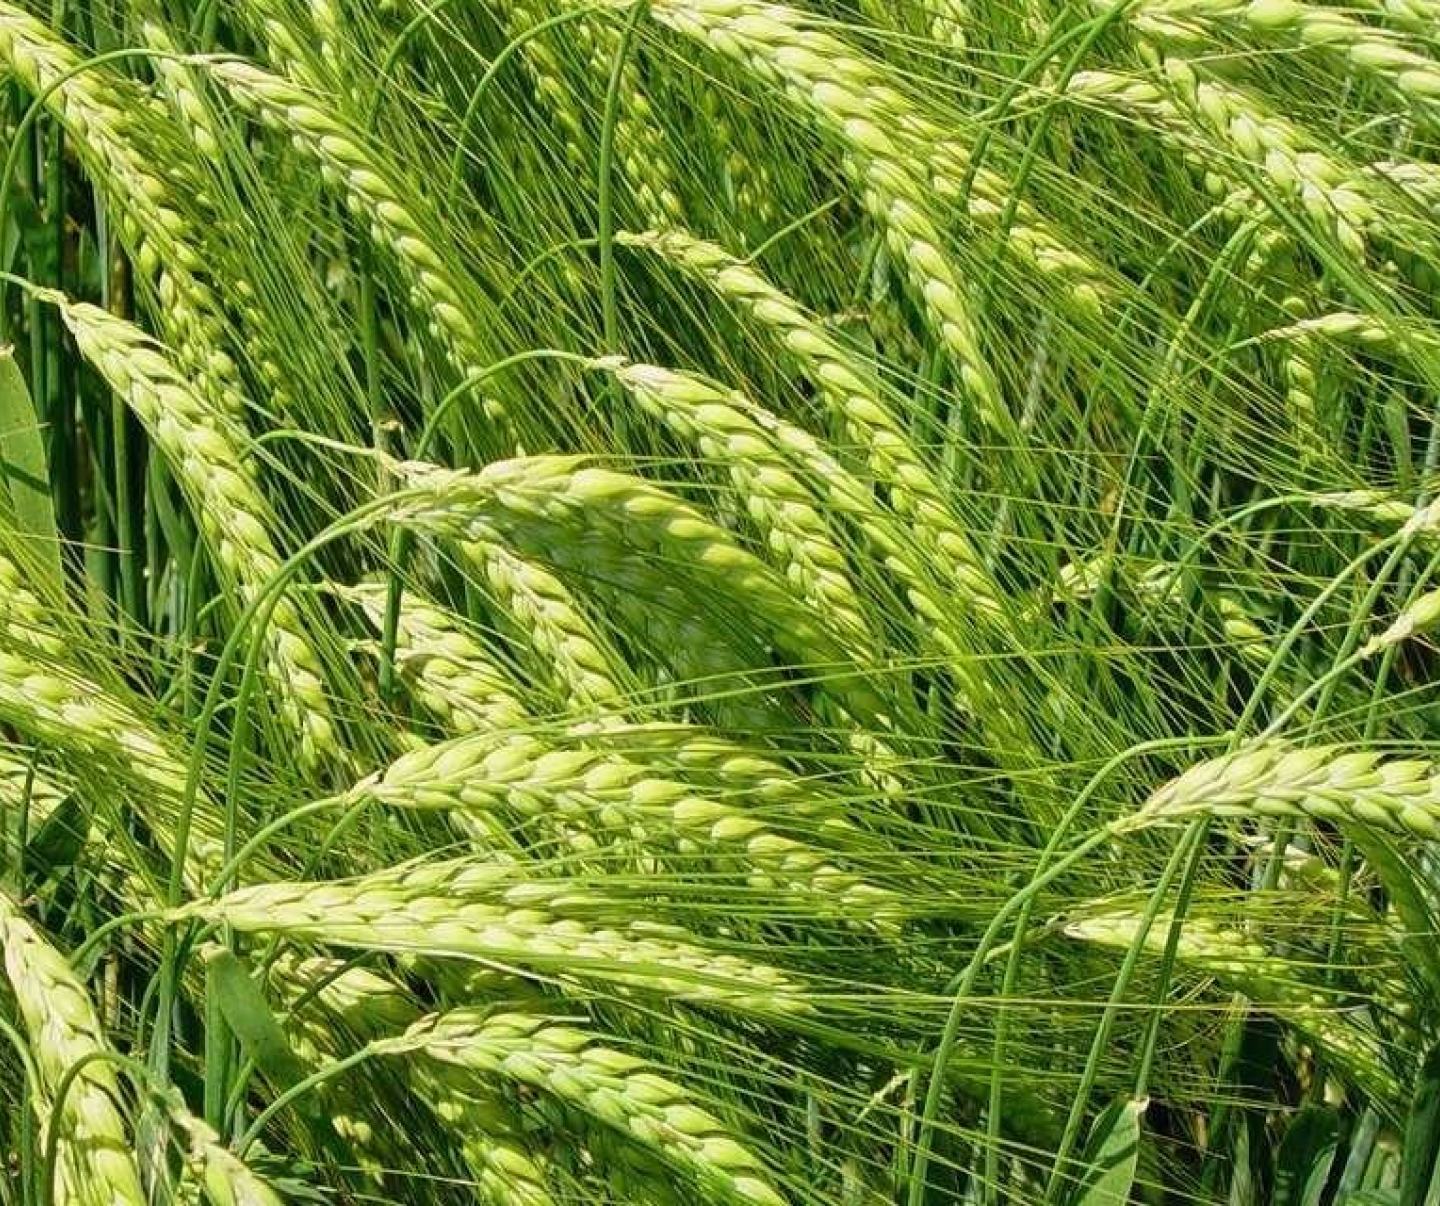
[
  {"x": 1244, "y": 965},
  {"x": 204, "y": 450},
  {"x": 160, "y": 238},
  {"x": 482, "y": 911},
  {"x": 1325, "y": 782},
  {"x": 95, "y": 1166},
  {"x": 612, "y": 1087},
  {"x": 605, "y": 793}
]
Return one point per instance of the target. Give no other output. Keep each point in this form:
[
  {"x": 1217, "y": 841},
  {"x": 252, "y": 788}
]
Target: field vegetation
[{"x": 687, "y": 601}]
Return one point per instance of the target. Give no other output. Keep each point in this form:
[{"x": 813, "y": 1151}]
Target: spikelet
[
  {"x": 1245, "y": 965},
  {"x": 748, "y": 183},
  {"x": 1325, "y": 782},
  {"x": 853, "y": 98},
  {"x": 574, "y": 655},
  {"x": 469, "y": 910},
  {"x": 642, "y": 149},
  {"x": 378, "y": 194},
  {"x": 23, "y": 784},
  {"x": 1189, "y": 108},
  {"x": 330, "y": 1006},
  {"x": 80, "y": 718},
  {"x": 448, "y": 669},
  {"x": 329, "y": 1002},
  {"x": 721, "y": 425},
  {"x": 558, "y": 508},
  {"x": 1413, "y": 78},
  {"x": 24, "y": 619},
  {"x": 156, "y": 231},
  {"x": 613, "y": 1088},
  {"x": 692, "y": 653},
  {"x": 828, "y": 82},
  {"x": 95, "y": 1167},
  {"x": 548, "y": 77},
  {"x": 852, "y": 391},
  {"x": 700, "y": 754},
  {"x": 1414, "y": 16},
  {"x": 949, "y": 22},
  {"x": 178, "y": 80},
  {"x": 1385, "y": 509},
  {"x": 607, "y": 794},
  {"x": 186, "y": 93},
  {"x": 227, "y": 1179},
  {"x": 506, "y": 1171},
  {"x": 204, "y": 451}
]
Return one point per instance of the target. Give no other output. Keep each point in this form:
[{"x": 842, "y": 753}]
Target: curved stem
[{"x": 609, "y": 317}]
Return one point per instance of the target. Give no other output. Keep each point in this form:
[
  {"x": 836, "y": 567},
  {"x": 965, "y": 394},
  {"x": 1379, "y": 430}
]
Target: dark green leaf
[
  {"x": 1422, "y": 1134},
  {"x": 59, "y": 839},
  {"x": 1302, "y": 1165}
]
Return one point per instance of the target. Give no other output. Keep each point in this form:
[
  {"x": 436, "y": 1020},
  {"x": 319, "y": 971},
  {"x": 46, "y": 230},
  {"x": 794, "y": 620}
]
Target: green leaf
[
  {"x": 1302, "y": 1165},
  {"x": 250, "y": 1017},
  {"x": 59, "y": 839},
  {"x": 1113, "y": 1156},
  {"x": 1422, "y": 1134},
  {"x": 25, "y": 476}
]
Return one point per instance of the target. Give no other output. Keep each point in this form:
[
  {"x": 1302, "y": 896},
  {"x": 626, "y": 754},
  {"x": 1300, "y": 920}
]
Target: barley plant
[{"x": 683, "y": 601}]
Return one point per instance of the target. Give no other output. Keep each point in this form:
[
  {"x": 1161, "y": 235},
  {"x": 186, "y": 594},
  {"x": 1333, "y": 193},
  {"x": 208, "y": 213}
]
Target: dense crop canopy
[{"x": 675, "y": 601}]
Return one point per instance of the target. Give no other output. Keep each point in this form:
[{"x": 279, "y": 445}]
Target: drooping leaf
[
  {"x": 1113, "y": 1156},
  {"x": 250, "y": 1017}
]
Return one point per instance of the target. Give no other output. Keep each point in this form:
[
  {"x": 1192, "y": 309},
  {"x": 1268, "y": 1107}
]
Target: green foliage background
[{"x": 698, "y": 600}]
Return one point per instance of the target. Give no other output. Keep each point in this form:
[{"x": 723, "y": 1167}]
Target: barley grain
[
  {"x": 482, "y": 911},
  {"x": 614, "y": 1088},
  {"x": 1327, "y": 783},
  {"x": 95, "y": 1166},
  {"x": 607, "y": 794},
  {"x": 204, "y": 450}
]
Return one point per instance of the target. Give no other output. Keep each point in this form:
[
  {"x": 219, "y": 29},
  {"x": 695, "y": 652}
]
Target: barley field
[{"x": 709, "y": 601}]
